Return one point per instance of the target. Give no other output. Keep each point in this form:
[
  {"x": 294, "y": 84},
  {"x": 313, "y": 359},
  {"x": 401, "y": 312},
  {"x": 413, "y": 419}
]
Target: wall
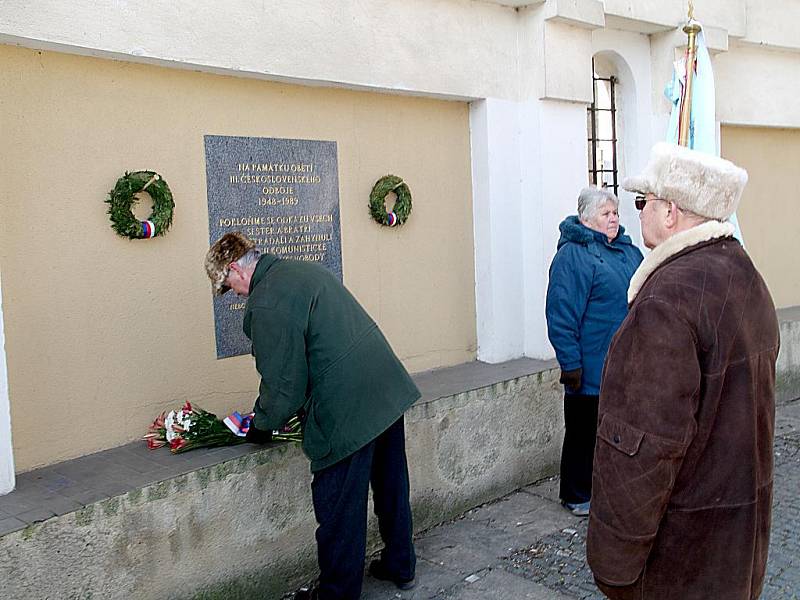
[
  {"x": 103, "y": 333},
  {"x": 400, "y": 45},
  {"x": 758, "y": 87},
  {"x": 769, "y": 203},
  {"x": 529, "y": 66}
]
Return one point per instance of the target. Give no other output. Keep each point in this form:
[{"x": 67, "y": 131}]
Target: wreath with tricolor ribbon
[
  {"x": 377, "y": 201},
  {"x": 122, "y": 198}
]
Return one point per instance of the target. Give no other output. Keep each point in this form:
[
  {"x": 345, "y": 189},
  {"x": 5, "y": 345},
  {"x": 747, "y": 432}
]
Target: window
[{"x": 602, "y": 127}]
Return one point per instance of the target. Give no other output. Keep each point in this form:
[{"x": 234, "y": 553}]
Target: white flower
[{"x": 169, "y": 421}]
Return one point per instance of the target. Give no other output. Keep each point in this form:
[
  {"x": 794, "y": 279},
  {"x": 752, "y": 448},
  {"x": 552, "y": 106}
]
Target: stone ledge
[
  {"x": 241, "y": 524},
  {"x": 66, "y": 487}
]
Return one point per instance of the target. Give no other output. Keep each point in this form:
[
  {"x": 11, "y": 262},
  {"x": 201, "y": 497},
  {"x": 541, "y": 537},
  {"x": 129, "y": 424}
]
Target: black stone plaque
[{"x": 284, "y": 195}]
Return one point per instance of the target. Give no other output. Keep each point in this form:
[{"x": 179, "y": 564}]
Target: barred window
[{"x": 601, "y": 124}]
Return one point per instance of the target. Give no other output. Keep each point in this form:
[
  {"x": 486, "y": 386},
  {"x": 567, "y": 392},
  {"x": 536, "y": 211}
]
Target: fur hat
[
  {"x": 701, "y": 183},
  {"x": 227, "y": 249}
]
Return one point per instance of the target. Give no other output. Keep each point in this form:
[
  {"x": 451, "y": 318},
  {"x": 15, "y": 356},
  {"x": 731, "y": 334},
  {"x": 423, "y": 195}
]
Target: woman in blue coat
[{"x": 586, "y": 303}]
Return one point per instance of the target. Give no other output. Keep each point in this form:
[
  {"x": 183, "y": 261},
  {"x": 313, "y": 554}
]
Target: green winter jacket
[{"x": 317, "y": 350}]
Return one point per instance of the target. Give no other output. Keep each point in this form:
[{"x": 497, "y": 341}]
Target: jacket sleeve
[
  {"x": 567, "y": 296},
  {"x": 648, "y": 402},
  {"x": 280, "y": 352}
]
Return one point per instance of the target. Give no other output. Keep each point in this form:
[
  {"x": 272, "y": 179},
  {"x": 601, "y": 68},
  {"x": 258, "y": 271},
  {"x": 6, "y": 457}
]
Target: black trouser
[
  {"x": 577, "y": 453},
  {"x": 340, "y": 505}
]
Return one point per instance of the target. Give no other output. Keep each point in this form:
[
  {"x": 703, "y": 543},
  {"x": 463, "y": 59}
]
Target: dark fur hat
[{"x": 227, "y": 249}]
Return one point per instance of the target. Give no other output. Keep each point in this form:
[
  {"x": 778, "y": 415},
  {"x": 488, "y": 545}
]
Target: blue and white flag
[{"x": 702, "y": 120}]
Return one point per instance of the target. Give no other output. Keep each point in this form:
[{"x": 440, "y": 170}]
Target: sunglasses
[{"x": 640, "y": 201}]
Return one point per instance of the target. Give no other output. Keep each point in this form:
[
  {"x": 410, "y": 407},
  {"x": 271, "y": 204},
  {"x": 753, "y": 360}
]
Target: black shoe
[{"x": 378, "y": 571}]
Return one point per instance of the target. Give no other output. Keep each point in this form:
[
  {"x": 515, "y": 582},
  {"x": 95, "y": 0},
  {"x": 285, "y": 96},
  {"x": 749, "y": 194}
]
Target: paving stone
[
  {"x": 25, "y": 498},
  {"x": 85, "y": 495},
  {"x": 61, "y": 505},
  {"x": 38, "y": 514},
  {"x": 495, "y": 584},
  {"x": 465, "y": 546},
  {"x": 432, "y": 580},
  {"x": 9, "y": 524}
]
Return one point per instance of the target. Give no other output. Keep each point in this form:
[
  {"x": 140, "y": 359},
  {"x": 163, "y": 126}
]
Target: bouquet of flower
[
  {"x": 191, "y": 427},
  {"x": 187, "y": 428},
  {"x": 291, "y": 432}
]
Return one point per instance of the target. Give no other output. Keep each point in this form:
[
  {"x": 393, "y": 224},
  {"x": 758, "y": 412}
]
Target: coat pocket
[
  {"x": 316, "y": 444},
  {"x": 634, "y": 472},
  {"x": 619, "y": 435}
]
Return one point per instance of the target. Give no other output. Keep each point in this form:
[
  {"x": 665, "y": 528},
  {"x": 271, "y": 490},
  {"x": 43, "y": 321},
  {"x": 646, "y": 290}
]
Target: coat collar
[
  {"x": 680, "y": 241},
  {"x": 263, "y": 265},
  {"x": 572, "y": 230}
]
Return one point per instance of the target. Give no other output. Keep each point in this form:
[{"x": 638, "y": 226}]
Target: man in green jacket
[{"x": 321, "y": 356}]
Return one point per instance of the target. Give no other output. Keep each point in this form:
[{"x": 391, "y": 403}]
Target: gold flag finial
[{"x": 691, "y": 29}]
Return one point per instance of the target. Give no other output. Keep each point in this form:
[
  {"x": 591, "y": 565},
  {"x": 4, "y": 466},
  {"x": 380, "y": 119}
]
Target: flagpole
[{"x": 691, "y": 29}]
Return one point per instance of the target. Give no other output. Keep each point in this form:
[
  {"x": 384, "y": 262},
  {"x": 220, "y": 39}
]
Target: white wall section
[{"x": 6, "y": 452}]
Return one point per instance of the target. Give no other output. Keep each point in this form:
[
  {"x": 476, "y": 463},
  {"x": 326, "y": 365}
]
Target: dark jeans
[
  {"x": 340, "y": 505},
  {"x": 577, "y": 453}
]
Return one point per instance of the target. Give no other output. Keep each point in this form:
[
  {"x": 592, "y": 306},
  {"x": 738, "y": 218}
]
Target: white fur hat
[{"x": 701, "y": 183}]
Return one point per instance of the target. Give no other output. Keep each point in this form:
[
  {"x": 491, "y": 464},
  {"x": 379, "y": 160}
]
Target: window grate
[{"x": 602, "y": 126}]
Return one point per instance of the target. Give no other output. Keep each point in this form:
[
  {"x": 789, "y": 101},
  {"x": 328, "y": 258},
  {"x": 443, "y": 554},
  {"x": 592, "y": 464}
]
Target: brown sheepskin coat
[{"x": 682, "y": 483}]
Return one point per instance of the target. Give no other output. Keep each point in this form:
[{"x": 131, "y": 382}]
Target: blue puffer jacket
[{"x": 587, "y": 297}]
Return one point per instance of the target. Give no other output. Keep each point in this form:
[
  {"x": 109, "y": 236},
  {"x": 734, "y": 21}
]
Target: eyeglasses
[{"x": 639, "y": 202}]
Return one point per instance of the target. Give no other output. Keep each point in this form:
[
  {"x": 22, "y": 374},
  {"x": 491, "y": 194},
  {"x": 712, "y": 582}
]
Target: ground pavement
[{"x": 525, "y": 546}]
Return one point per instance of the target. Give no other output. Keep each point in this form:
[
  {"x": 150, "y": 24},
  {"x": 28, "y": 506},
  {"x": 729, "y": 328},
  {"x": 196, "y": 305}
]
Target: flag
[
  {"x": 702, "y": 121},
  {"x": 238, "y": 424}
]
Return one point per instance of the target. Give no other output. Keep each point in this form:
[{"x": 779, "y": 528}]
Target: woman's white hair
[{"x": 591, "y": 198}]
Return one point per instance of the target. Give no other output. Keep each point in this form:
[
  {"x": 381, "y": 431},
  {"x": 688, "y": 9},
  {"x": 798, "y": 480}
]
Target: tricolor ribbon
[
  {"x": 391, "y": 219},
  {"x": 148, "y": 229}
]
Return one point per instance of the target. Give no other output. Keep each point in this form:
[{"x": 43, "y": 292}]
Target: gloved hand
[
  {"x": 572, "y": 379},
  {"x": 257, "y": 436}
]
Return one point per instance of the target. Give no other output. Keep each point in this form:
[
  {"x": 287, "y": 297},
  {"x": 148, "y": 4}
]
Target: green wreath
[
  {"x": 123, "y": 197},
  {"x": 377, "y": 198}
]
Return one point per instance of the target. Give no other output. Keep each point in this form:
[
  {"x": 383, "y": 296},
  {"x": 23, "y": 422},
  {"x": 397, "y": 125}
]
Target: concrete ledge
[
  {"x": 242, "y": 526},
  {"x": 586, "y": 14}
]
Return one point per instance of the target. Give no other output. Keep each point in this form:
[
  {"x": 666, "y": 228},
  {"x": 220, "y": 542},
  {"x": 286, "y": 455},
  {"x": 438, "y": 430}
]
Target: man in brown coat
[{"x": 682, "y": 483}]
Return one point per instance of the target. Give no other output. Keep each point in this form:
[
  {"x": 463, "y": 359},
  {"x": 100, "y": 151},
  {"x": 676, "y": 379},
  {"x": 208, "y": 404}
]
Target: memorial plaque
[{"x": 284, "y": 195}]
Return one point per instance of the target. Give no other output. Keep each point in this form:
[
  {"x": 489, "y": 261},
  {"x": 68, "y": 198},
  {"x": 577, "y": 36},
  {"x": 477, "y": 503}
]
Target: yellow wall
[
  {"x": 767, "y": 213},
  {"x": 103, "y": 333}
]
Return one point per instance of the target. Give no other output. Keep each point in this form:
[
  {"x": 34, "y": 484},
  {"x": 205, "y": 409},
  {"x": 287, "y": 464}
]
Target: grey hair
[
  {"x": 248, "y": 258},
  {"x": 590, "y": 199}
]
